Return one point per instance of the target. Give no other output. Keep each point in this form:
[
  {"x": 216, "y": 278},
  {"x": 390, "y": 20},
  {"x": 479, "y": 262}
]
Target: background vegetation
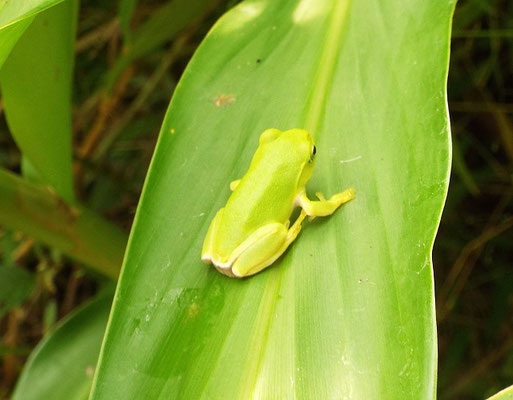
[
  {"x": 115, "y": 137},
  {"x": 473, "y": 252}
]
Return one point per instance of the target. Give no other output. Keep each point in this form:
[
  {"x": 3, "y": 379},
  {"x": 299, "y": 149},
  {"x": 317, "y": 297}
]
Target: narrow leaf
[
  {"x": 9, "y": 36},
  {"x": 62, "y": 365},
  {"x": 36, "y": 91},
  {"x": 13, "y": 11},
  {"x": 126, "y": 10},
  {"x": 348, "y": 311}
]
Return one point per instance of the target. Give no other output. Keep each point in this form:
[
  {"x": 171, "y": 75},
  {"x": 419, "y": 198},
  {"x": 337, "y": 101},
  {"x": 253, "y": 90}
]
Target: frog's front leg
[
  {"x": 324, "y": 207},
  {"x": 264, "y": 246}
]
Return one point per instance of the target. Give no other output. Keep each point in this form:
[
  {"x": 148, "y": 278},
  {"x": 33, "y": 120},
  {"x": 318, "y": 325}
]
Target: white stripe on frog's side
[
  {"x": 208, "y": 259},
  {"x": 297, "y": 200},
  {"x": 224, "y": 268}
]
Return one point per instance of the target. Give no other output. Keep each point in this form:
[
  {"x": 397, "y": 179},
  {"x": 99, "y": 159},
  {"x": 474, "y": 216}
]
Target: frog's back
[{"x": 265, "y": 194}]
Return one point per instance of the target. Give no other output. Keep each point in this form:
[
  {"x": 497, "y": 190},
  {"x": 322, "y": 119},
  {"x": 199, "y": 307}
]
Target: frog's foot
[
  {"x": 257, "y": 252},
  {"x": 265, "y": 246},
  {"x": 324, "y": 207}
]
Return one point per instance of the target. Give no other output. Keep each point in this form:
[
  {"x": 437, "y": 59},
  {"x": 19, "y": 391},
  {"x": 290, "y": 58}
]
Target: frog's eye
[{"x": 312, "y": 156}]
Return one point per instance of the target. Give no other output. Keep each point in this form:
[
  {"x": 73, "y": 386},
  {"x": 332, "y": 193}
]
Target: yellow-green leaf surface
[
  {"x": 348, "y": 311},
  {"x": 62, "y": 366},
  {"x": 9, "y": 36},
  {"x": 12, "y": 11},
  {"x": 36, "y": 93},
  {"x": 15, "y": 17},
  {"x": 506, "y": 394}
]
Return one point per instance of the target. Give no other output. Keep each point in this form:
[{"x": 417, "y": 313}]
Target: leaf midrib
[
  {"x": 313, "y": 112},
  {"x": 326, "y": 67}
]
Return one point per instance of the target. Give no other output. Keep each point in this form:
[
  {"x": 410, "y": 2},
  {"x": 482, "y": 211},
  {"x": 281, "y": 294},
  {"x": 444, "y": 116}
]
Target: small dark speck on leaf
[
  {"x": 193, "y": 310},
  {"x": 224, "y": 100},
  {"x": 89, "y": 371},
  {"x": 258, "y": 60}
]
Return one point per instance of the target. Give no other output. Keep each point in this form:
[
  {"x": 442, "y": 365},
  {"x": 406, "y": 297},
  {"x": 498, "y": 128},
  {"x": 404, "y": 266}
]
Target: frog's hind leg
[
  {"x": 265, "y": 246},
  {"x": 207, "y": 251}
]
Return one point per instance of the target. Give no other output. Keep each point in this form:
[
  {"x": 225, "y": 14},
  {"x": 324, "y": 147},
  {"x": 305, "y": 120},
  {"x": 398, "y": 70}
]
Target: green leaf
[
  {"x": 506, "y": 394},
  {"x": 348, "y": 311},
  {"x": 13, "y": 11},
  {"x": 62, "y": 365},
  {"x": 36, "y": 91},
  {"x": 9, "y": 36}
]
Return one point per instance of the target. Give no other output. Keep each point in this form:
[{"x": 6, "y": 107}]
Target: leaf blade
[
  {"x": 9, "y": 36},
  {"x": 505, "y": 394},
  {"x": 14, "y": 11},
  {"x": 349, "y": 309}
]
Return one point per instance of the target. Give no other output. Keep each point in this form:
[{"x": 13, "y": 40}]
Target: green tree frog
[{"x": 253, "y": 229}]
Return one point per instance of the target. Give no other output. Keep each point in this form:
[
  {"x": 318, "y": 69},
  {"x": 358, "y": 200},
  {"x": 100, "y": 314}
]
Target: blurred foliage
[
  {"x": 473, "y": 251},
  {"x": 16, "y": 283}
]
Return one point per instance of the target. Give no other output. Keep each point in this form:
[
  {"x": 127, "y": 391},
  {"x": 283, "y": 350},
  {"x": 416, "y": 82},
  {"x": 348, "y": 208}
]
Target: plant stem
[{"x": 81, "y": 234}]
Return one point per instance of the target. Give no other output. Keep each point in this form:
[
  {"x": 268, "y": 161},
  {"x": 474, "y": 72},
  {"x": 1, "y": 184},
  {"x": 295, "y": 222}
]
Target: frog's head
[
  {"x": 299, "y": 143},
  {"x": 296, "y": 146}
]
